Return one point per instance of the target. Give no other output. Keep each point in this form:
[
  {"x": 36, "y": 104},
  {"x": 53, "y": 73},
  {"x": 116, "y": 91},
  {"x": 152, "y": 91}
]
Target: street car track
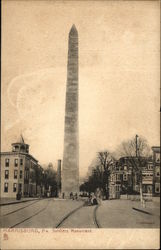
[
  {"x": 68, "y": 215},
  {"x": 95, "y": 219},
  {"x": 20, "y": 208},
  {"x": 97, "y": 224},
  {"x": 30, "y": 216}
]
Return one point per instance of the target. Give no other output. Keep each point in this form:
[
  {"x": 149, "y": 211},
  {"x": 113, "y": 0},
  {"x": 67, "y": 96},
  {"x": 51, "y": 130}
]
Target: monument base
[{"x": 70, "y": 194}]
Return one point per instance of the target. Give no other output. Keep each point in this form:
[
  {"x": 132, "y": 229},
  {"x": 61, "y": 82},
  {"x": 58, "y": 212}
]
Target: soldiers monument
[{"x": 70, "y": 168}]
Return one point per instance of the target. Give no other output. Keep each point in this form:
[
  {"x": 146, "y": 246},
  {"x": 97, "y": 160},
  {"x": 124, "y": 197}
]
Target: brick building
[
  {"x": 147, "y": 178},
  {"x": 156, "y": 171},
  {"x": 18, "y": 171},
  {"x": 121, "y": 180},
  {"x": 124, "y": 178}
]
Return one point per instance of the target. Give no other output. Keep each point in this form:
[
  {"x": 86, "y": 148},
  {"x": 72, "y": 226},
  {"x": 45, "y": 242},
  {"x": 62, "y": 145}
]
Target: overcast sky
[{"x": 118, "y": 74}]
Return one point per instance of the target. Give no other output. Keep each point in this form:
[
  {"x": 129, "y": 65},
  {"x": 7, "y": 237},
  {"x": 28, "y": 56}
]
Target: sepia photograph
[{"x": 80, "y": 124}]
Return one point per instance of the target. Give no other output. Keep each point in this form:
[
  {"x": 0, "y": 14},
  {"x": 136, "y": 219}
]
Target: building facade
[
  {"x": 121, "y": 181},
  {"x": 18, "y": 171},
  {"x": 147, "y": 178},
  {"x": 156, "y": 171},
  {"x": 125, "y": 178}
]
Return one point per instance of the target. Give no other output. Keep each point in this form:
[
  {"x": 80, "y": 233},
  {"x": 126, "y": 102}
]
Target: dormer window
[
  {"x": 23, "y": 148},
  {"x": 15, "y": 148},
  {"x": 20, "y": 147}
]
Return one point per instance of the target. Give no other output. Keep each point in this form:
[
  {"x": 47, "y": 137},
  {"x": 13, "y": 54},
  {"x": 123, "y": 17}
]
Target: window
[
  {"x": 125, "y": 177},
  {"x": 125, "y": 167},
  {"x": 16, "y": 162},
  {"x": 150, "y": 167},
  {"x": 7, "y": 162},
  {"x": 26, "y": 175},
  {"x": 6, "y": 174},
  {"x": 21, "y": 162},
  {"x": 149, "y": 189},
  {"x": 157, "y": 172},
  {"x": 157, "y": 187},
  {"x": 117, "y": 188},
  {"x": 14, "y": 187},
  {"x": 15, "y": 174},
  {"x": 157, "y": 157},
  {"x": 20, "y": 187},
  {"x": 113, "y": 178},
  {"x": 20, "y": 174},
  {"x": 117, "y": 177},
  {"x": 6, "y": 187}
]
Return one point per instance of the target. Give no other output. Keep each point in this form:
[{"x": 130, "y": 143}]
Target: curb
[
  {"x": 142, "y": 211},
  {"x": 16, "y": 202}
]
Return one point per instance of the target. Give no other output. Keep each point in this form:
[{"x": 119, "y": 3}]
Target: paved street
[
  {"x": 51, "y": 213},
  {"x": 39, "y": 214},
  {"x": 83, "y": 218},
  {"x": 120, "y": 214}
]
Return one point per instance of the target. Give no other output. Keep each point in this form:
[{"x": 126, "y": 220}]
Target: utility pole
[{"x": 137, "y": 146}]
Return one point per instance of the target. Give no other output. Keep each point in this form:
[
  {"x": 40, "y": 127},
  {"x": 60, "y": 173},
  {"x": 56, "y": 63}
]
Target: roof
[
  {"x": 156, "y": 149},
  {"x": 18, "y": 153},
  {"x": 20, "y": 140}
]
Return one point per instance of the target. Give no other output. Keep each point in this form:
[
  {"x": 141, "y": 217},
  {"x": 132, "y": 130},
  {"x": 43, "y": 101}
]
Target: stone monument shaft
[{"x": 70, "y": 169}]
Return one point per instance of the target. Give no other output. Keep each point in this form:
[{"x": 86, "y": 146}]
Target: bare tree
[
  {"x": 98, "y": 175},
  {"x": 105, "y": 162},
  {"x": 138, "y": 151}
]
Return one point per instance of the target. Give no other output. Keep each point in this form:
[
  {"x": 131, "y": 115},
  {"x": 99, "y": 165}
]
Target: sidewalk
[
  {"x": 151, "y": 207},
  {"x": 128, "y": 214},
  {"x": 10, "y": 201}
]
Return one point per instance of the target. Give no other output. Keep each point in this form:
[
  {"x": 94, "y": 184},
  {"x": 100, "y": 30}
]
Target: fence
[{"x": 146, "y": 196}]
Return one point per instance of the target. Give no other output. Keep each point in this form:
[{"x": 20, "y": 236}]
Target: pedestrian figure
[
  {"x": 76, "y": 196},
  {"x": 71, "y": 195},
  {"x": 89, "y": 200},
  {"x": 95, "y": 201},
  {"x": 63, "y": 195},
  {"x": 18, "y": 196}
]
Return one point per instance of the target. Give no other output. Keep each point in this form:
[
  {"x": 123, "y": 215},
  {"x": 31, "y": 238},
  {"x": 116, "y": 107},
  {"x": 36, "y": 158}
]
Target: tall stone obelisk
[{"x": 70, "y": 168}]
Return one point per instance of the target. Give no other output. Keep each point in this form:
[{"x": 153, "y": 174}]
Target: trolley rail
[
  {"x": 67, "y": 216},
  {"x": 30, "y": 216},
  {"x": 16, "y": 210},
  {"x": 95, "y": 219}
]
